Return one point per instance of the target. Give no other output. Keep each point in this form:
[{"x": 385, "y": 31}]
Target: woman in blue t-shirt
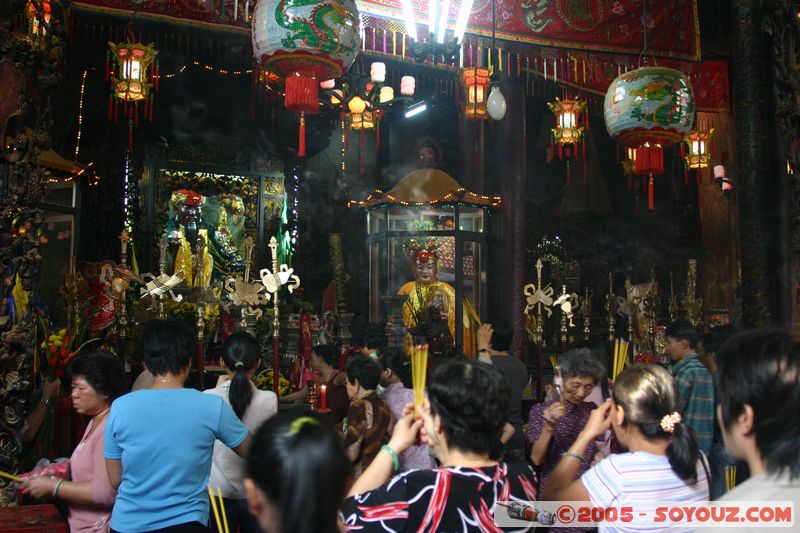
[{"x": 159, "y": 441}]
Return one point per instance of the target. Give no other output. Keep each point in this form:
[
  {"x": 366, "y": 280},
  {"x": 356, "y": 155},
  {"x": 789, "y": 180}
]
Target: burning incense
[
  {"x": 419, "y": 370},
  {"x": 12, "y": 477},
  {"x": 553, "y": 360},
  {"x": 730, "y": 477},
  {"x": 215, "y": 509},
  {"x": 222, "y": 512},
  {"x": 620, "y": 357}
]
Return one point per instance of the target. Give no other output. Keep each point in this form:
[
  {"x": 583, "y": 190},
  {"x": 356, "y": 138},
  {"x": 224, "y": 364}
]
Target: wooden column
[
  {"x": 511, "y": 180},
  {"x": 752, "y": 152}
]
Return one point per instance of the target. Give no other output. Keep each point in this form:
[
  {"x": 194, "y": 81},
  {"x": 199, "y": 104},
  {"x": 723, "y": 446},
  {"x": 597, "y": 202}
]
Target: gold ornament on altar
[
  {"x": 38, "y": 15},
  {"x": 244, "y": 294},
  {"x": 536, "y": 296}
]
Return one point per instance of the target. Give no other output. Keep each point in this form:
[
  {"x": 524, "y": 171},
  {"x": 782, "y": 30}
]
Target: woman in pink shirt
[{"x": 97, "y": 380}]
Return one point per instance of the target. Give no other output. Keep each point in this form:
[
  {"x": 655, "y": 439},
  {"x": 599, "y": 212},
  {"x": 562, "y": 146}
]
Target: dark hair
[
  {"x": 241, "y": 353},
  {"x": 472, "y": 400},
  {"x": 301, "y": 466},
  {"x": 716, "y": 337},
  {"x": 581, "y": 362},
  {"x": 330, "y": 353},
  {"x": 167, "y": 346},
  {"x": 648, "y": 393},
  {"x": 682, "y": 330},
  {"x": 364, "y": 369},
  {"x": 396, "y": 360},
  {"x": 502, "y": 335},
  {"x": 761, "y": 368},
  {"x": 374, "y": 336},
  {"x": 600, "y": 353},
  {"x": 103, "y": 371}
]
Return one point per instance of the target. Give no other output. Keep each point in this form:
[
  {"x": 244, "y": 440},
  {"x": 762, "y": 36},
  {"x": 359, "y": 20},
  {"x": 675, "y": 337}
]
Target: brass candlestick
[
  {"x": 537, "y": 297},
  {"x": 162, "y": 265},
  {"x": 611, "y": 310},
  {"x": 586, "y": 310},
  {"x": 672, "y": 305},
  {"x": 692, "y": 304}
]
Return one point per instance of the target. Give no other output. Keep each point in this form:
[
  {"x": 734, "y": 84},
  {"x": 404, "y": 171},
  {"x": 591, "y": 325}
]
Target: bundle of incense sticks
[
  {"x": 730, "y": 477},
  {"x": 558, "y": 384},
  {"x": 419, "y": 372},
  {"x": 222, "y": 524},
  {"x": 620, "y": 357},
  {"x": 553, "y": 360},
  {"x": 12, "y": 477}
]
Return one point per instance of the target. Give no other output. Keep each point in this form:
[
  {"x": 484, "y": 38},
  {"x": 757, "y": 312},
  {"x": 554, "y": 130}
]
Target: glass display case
[{"x": 453, "y": 226}]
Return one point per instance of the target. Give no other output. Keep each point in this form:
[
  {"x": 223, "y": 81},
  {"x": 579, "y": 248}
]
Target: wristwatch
[{"x": 45, "y": 401}]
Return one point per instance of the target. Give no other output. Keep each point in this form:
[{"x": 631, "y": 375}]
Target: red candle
[{"x": 324, "y": 397}]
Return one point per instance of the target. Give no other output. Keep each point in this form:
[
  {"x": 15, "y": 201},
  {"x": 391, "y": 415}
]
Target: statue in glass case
[{"x": 429, "y": 312}]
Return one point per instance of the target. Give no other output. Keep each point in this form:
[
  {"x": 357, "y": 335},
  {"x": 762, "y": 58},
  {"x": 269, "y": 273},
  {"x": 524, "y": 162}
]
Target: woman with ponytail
[
  {"x": 664, "y": 462},
  {"x": 241, "y": 355}
]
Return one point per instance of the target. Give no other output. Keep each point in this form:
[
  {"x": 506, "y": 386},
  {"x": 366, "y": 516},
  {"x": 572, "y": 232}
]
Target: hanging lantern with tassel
[
  {"x": 134, "y": 76},
  {"x": 649, "y": 109},
  {"x": 698, "y": 151},
  {"x": 305, "y": 51},
  {"x": 36, "y": 13},
  {"x": 568, "y": 134},
  {"x": 476, "y": 87}
]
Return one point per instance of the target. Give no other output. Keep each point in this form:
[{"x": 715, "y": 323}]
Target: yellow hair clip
[{"x": 298, "y": 424}]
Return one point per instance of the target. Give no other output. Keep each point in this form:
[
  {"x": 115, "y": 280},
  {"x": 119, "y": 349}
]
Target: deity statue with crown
[
  {"x": 186, "y": 228},
  {"x": 429, "y": 312}
]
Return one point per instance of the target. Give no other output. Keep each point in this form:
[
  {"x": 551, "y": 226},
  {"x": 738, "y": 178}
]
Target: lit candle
[{"x": 323, "y": 397}]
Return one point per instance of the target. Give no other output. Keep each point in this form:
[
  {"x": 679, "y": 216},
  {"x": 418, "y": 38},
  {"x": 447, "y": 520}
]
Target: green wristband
[
  {"x": 55, "y": 489},
  {"x": 395, "y": 459}
]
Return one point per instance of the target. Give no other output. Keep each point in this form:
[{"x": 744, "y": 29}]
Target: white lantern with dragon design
[
  {"x": 306, "y": 42},
  {"x": 649, "y": 109}
]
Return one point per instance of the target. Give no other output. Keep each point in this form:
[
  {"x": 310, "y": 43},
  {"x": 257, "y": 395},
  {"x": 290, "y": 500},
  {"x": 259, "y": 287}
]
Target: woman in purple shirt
[
  {"x": 397, "y": 392},
  {"x": 553, "y": 426}
]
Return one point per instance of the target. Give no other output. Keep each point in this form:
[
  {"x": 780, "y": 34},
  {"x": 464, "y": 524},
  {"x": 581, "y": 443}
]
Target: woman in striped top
[{"x": 663, "y": 464}]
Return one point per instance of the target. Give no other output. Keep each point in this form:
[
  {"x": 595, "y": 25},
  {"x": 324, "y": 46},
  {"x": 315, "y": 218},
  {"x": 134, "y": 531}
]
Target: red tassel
[
  {"x": 630, "y": 183},
  {"x": 136, "y": 113},
  {"x": 651, "y": 193},
  {"x": 130, "y": 135},
  {"x": 144, "y": 110},
  {"x": 685, "y": 176},
  {"x": 302, "y": 95},
  {"x": 568, "y": 173},
  {"x": 560, "y": 151},
  {"x": 301, "y": 149},
  {"x": 697, "y": 177}
]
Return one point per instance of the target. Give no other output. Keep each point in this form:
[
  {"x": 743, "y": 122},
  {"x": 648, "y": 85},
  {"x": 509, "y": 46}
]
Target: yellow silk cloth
[
  {"x": 185, "y": 260},
  {"x": 419, "y": 294}
]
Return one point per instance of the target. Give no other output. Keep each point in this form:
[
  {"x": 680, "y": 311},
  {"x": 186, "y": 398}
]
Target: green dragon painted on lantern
[
  {"x": 317, "y": 31},
  {"x": 672, "y": 111}
]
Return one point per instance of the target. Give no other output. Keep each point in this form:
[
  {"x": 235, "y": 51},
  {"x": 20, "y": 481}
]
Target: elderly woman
[
  {"x": 553, "y": 426},
  {"x": 97, "y": 380},
  {"x": 461, "y": 421}
]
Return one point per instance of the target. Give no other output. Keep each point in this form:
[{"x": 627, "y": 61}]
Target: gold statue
[{"x": 430, "y": 309}]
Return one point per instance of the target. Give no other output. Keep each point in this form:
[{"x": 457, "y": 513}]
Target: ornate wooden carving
[{"x": 29, "y": 75}]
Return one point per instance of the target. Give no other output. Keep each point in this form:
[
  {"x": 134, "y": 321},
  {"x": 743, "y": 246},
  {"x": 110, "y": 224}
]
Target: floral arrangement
[
  {"x": 60, "y": 347},
  {"x": 264, "y": 381}
]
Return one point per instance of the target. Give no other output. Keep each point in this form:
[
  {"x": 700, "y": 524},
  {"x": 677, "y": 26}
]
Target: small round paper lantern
[
  {"x": 356, "y": 105},
  {"x": 407, "y": 85},
  {"x": 304, "y": 44},
  {"x": 386, "y": 94},
  {"x": 377, "y": 72}
]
